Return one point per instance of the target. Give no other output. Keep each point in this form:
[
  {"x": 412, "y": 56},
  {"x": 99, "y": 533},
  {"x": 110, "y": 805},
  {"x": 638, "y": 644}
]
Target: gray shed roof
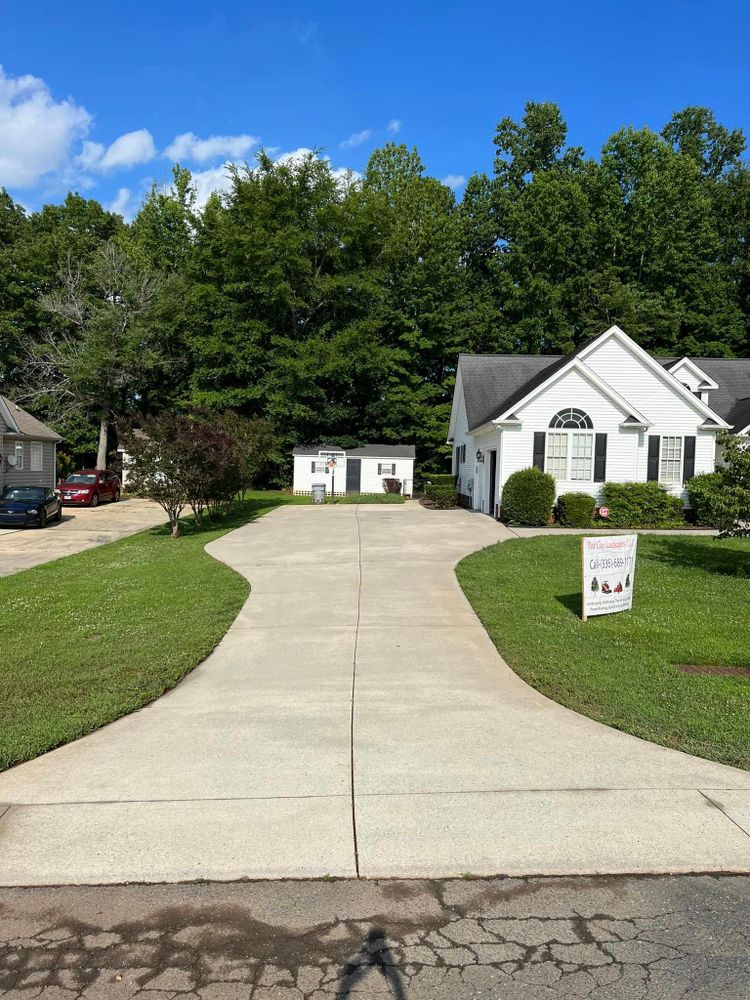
[
  {"x": 492, "y": 383},
  {"x": 364, "y": 451},
  {"x": 21, "y": 422}
]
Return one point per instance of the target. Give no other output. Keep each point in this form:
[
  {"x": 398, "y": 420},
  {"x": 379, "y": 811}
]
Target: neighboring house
[
  {"x": 28, "y": 449},
  {"x": 607, "y": 412},
  {"x": 356, "y": 470}
]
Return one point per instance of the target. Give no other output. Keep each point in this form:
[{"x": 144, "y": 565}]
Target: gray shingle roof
[
  {"x": 364, "y": 451},
  {"x": 732, "y": 399},
  {"x": 492, "y": 383},
  {"x": 21, "y": 422}
]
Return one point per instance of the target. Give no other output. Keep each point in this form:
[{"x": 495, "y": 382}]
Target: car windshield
[
  {"x": 23, "y": 493},
  {"x": 80, "y": 478}
]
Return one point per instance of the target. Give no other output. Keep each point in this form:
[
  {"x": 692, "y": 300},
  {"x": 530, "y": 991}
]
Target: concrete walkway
[
  {"x": 81, "y": 528},
  {"x": 357, "y": 720}
]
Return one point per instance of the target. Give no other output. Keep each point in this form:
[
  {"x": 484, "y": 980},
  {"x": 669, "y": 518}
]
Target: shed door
[{"x": 353, "y": 475}]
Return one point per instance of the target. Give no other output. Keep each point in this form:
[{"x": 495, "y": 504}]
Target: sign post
[
  {"x": 331, "y": 463},
  {"x": 608, "y": 565}
]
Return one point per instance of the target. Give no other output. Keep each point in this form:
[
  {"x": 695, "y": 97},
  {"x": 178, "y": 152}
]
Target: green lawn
[
  {"x": 91, "y": 637},
  {"x": 691, "y": 606}
]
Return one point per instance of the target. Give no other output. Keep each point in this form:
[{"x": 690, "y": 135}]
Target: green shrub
[
  {"x": 369, "y": 498},
  {"x": 439, "y": 479},
  {"x": 528, "y": 497},
  {"x": 704, "y": 492},
  {"x": 576, "y": 510},
  {"x": 642, "y": 505},
  {"x": 442, "y": 497}
]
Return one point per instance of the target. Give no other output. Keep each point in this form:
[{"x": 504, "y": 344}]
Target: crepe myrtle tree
[
  {"x": 730, "y": 504},
  {"x": 181, "y": 461}
]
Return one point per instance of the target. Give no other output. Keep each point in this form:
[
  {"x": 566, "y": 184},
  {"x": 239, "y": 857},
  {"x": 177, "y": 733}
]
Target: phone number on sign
[{"x": 618, "y": 562}]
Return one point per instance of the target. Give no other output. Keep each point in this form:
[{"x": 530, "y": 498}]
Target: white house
[
  {"x": 607, "y": 412},
  {"x": 353, "y": 470}
]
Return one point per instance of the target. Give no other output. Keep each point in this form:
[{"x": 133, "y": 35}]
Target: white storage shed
[{"x": 353, "y": 470}]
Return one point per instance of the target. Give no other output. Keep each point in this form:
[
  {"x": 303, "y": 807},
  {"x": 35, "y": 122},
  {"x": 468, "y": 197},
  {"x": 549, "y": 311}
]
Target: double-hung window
[
  {"x": 36, "y": 450},
  {"x": 670, "y": 466},
  {"x": 19, "y": 456},
  {"x": 570, "y": 447}
]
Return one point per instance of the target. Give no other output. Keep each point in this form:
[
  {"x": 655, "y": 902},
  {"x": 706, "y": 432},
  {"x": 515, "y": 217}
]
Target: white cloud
[
  {"x": 394, "y": 126},
  {"x": 123, "y": 204},
  {"x": 126, "y": 151},
  {"x": 356, "y": 139},
  {"x": 208, "y": 181},
  {"x": 189, "y": 146},
  {"x": 37, "y": 131},
  {"x": 454, "y": 181}
]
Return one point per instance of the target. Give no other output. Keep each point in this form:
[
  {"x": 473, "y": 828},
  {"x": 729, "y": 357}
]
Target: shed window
[
  {"x": 670, "y": 468},
  {"x": 386, "y": 468},
  {"x": 37, "y": 456},
  {"x": 19, "y": 456}
]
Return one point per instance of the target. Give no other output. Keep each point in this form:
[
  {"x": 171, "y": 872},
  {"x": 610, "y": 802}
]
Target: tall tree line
[{"x": 336, "y": 308}]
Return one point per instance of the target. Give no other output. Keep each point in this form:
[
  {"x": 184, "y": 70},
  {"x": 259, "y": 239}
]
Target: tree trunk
[
  {"x": 101, "y": 455},
  {"x": 175, "y": 522}
]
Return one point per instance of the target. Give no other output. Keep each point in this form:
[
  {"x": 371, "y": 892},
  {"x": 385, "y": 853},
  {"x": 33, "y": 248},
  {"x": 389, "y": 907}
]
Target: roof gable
[{"x": 21, "y": 422}]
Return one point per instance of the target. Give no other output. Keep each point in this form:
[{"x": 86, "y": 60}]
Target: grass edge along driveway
[
  {"x": 690, "y": 606},
  {"x": 91, "y": 637}
]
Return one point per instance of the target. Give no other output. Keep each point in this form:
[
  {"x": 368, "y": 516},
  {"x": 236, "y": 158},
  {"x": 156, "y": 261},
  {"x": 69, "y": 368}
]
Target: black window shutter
[
  {"x": 688, "y": 460},
  {"x": 312, "y": 466},
  {"x": 653, "y": 457},
  {"x": 380, "y": 468},
  {"x": 600, "y": 458},
  {"x": 539, "y": 438}
]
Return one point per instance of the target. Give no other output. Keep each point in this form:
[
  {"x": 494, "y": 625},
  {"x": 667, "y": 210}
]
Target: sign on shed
[{"x": 608, "y": 574}]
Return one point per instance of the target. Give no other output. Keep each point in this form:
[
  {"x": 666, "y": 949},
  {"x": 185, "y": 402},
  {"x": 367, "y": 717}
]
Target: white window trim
[
  {"x": 391, "y": 466},
  {"x": 19, "y": 450},
  {"x": 681, "y": 460},
  {"x": 36, "y": 456},
  {"x": 589, "y": 432}
]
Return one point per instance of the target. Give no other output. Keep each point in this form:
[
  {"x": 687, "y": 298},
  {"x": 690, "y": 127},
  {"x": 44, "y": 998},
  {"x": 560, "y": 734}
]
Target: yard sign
[{"x": 608, "y": 574}]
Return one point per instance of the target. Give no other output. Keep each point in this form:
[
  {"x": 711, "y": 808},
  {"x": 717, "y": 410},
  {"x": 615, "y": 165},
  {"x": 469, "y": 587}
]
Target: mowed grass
[
  {"x": 91, "y": 637},
  {"x": 691, "y": 606}
]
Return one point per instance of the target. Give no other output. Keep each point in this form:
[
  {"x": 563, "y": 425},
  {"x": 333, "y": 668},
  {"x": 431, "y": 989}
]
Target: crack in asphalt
[{"x": 519, "y": 939}]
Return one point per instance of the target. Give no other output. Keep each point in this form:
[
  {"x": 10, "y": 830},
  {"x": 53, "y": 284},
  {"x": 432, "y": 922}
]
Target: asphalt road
[{"x": 609, "y": 938}]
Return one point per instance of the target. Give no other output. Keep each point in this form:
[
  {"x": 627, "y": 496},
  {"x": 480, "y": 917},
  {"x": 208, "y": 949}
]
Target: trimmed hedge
[
  {"x": 443, "y": 497},
  {"x": 576, "y": 510},
  {"x": 704, "y": 491},
  {"x": 440, "y": 479},
  {"x": 641, "y": 505},
  {"x": 528, "y": 497},
  {"x": 368, "y": 498}
]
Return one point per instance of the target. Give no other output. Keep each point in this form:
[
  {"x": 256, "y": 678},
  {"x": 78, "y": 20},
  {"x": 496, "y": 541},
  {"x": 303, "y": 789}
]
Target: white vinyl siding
[
  {"x": 670, "y": 465},
  {"x": 36, "y": 459}
]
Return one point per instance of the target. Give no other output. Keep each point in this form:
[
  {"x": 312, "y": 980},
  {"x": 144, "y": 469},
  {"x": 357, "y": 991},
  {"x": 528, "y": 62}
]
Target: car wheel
[
  {"x": 94, "y": 500},
  {"x": 43, "y": 519}
]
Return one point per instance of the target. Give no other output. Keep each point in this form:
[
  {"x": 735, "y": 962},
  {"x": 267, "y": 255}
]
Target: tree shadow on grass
[
  {"x": 707, "y": 554},
  {"x": 239, "y": 513}
]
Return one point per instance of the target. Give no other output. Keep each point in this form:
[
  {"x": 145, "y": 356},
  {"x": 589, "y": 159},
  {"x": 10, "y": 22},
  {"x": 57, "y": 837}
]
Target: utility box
[{"x": 319, "y": 492}]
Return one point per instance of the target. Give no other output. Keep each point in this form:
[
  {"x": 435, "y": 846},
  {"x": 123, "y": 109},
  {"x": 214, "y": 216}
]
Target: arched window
[
  {"x": 570, "y": 446},
  {"x": 572, "y": 419}
]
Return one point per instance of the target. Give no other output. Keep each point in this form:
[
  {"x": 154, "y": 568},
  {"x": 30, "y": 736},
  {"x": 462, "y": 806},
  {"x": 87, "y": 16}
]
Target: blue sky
[{"x": 101, "y": 97}]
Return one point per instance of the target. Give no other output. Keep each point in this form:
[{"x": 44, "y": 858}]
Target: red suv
[{"x": 89, "y": 487}]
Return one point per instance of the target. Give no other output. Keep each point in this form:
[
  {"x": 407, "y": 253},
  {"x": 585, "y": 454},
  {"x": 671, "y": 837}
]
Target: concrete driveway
[
  {"x": 357, "y": 720},
  {"x": 81, "y": 528}
]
